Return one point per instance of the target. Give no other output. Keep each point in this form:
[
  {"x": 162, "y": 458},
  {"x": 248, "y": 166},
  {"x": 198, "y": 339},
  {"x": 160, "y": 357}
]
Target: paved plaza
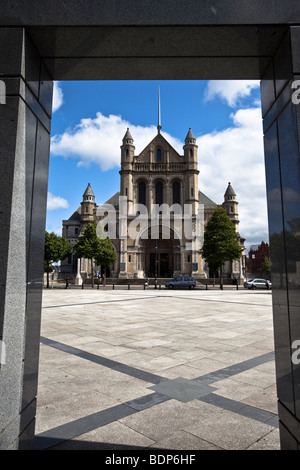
[{"x": 156, "y": 369}]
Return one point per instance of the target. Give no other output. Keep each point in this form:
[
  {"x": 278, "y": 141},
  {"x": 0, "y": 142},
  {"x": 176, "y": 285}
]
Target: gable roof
[
  {"x": 114, "y": 200},
  {"x": 76, "y": 215},
  {"x": 158, "y": 137},
  {"x": 208, "y": 203}
]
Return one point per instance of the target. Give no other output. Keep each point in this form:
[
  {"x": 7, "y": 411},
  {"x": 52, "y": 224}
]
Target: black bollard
[
  {"x": 128, "y": 286},
  {"x": 82, "y": 286},
  {"x": 113, "y": 286},
  {"x": 67, "y": 283}
]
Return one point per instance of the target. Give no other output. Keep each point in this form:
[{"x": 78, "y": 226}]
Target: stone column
[
  {"x": 78, "y": 278},
  {"x": 281, "y": 124},
  {"x": 24, "y": 154}
]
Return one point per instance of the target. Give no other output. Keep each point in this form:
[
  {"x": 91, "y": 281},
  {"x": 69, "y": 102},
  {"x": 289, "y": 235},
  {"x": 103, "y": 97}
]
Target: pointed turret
[
  {"x": 127, "y": 139},
  {"x": 230, "y": 204},
  {"x": 127, "y": 160},
  {"x": 127, "y": 149},
  {"x": 190, "y": 138},
  {"x": 88, "y": 192},
  {"x": 229, "y": 193},
  {"x": 190, "y": 149},
  {"x": 87, "y": 206}
]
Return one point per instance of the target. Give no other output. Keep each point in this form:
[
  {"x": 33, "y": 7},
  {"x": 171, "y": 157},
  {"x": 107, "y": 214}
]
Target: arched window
[
  {"x": 159, "y": 193},
  {"x": 142, "y": 193},
  {"x": 176, "y": 192},
  {"x": 158, "y": 155}
]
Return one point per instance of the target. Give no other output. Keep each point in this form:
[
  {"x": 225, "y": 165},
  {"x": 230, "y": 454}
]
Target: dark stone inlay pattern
[
  {"x": 165, "y": 389},
  {"x": 234, "y": 369},
  {"x": 118, "y": 366},
  {"x": 241, "y": 409},
  {"x": 182, "y": 389}
]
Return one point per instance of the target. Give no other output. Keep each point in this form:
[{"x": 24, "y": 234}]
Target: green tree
[
  {"x": 106, "y": 255},
  {"x": 56, "y": 249},
  {"x": 220, "y": 241},
  {"x": 96, "y": 249},
  {"x": 265, "y": 268}
]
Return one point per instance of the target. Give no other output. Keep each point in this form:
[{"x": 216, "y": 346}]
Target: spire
[
  {"x": 190, "y": 138},
  {"x": 159, "y": 121},
  {"x": 229, "y": 191},
  {"x": 88, "y": 191},
  {"x": 127, "y": 139}
]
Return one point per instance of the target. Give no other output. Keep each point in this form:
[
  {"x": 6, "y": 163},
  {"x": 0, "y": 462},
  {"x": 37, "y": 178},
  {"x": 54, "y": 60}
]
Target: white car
[{"x": 258, "y": 284}]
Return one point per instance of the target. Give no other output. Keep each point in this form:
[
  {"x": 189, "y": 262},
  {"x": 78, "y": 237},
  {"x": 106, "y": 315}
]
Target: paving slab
[{"x": 156, "y": 369}]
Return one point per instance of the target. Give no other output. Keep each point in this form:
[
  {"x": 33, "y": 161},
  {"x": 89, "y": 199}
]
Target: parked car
[
  {"x": 258, "y": 284},
  {"x": 181, "y": 282}
]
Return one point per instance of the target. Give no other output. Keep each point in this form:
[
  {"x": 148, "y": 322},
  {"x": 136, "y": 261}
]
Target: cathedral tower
[
  {"x": 127, "y": 157},
  {"x": 191, "y": 178},
  {"x": 87, "y": 206},
  {"x": 230, "y": 204}
]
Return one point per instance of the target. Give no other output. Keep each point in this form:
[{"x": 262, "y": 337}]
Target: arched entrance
[
  {"x": 159, "y": 258},
  {"x": 160, "y": 255}
]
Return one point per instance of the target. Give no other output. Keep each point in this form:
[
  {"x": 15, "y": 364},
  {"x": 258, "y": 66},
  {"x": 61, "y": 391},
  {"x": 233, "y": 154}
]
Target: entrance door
[{"x": 164, "y": 265}]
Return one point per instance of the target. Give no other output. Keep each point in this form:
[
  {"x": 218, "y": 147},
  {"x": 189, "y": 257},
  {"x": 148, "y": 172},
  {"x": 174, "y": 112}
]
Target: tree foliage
[
  {"x": 265, "y": 267},
  {"x": 220, "y": 241},
  {"x": 56, "y": 249},
  {"x": 96, "y": 249}
]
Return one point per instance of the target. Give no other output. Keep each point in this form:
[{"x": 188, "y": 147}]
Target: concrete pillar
[
  {"x": 281, "y": 122},
  {"x": 78, "y": 278},
  {"x": 24, "y": 153}
]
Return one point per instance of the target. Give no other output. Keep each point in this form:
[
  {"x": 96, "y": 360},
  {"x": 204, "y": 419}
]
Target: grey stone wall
[{"x": 24, "y": 154}]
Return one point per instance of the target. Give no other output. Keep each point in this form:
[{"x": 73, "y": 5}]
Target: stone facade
[{"x": 160, "y": 243}]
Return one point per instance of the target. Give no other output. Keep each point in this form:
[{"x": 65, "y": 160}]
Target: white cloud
[
  {"x": 236, "y": 155},
  {"x": 98, "y": 140},
  {"x": 58, "y": 97},
  {"x": 56, "y": 202},
  {"x": 230, "y": 91}
]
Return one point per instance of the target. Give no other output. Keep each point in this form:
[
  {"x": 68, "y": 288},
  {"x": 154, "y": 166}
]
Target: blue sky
[{"x": 91, "y": 118}]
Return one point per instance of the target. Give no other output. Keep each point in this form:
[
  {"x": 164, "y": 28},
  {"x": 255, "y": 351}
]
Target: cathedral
[{"x": 159, "y": 215}]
